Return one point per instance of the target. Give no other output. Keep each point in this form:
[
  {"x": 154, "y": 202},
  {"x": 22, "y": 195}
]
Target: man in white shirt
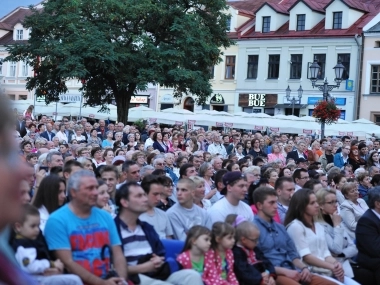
[
  {"x": 216, "y": 147},
  {"x": 236, "y": 188}
]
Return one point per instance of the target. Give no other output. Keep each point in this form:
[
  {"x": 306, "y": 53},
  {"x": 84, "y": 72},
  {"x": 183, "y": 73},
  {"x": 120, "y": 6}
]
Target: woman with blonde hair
[
  {"x": 338, "y": 240},
  {"x": 28, "y": 113},
  {"x": 199, "y": 193}
]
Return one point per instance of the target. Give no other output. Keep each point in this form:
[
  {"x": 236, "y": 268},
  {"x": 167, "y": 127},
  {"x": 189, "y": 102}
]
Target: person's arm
[
  {"x": 119, "y": 261},
  {"x": 335, "y": 239}
]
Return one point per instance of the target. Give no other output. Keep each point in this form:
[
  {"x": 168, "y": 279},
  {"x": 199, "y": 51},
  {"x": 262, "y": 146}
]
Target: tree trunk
[{"x": 123, "y": 98}]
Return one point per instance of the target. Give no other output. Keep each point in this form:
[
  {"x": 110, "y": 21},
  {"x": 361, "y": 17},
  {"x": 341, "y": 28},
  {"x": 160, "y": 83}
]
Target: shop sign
[
  {"x": 167, "y": 99},
  {"x": 228, "y": 125},
  {"x": 219, "y": 124},
  {"x": 257, "y": 100},
  {"x": 258, "y": 128},
  {"x": 349, "y": 85},
  {"x": 256, "y": 111},
  {"x": 314, "y": 101},
  {"x": 139, "y": 100},
  {"x": 308, "y": 132},
  {"x": 274, "y": 129},
  {"x": 178, "y": 123},
  {"x": 69, "y": 98},
  {"x": 217, "y": 99},
  {"x": 152, "y": 120}
]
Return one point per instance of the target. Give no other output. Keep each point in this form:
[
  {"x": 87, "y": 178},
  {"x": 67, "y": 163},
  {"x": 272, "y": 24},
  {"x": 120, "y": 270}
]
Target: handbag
[{"x": 111, "y": 272}]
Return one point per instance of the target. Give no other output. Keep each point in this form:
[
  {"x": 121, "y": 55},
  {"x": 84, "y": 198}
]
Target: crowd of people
[{"x": 115, "y": 204}]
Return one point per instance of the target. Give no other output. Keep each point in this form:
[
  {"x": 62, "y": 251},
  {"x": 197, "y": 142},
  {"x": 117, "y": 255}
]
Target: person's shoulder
[
  {"x": 295, "y": 224},
  {"x": 60, "y": 213},
  {"x": 173, "y": 209},
  {"x": 160, "y": 212}
]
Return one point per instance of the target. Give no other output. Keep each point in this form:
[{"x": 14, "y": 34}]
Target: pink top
[
  {"x": 273, "y": 157},
  {"x": 212, "y": 271}
]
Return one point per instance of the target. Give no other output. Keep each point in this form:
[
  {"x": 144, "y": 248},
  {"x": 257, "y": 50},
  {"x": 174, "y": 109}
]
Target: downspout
[{"x": 359, "y": 42}]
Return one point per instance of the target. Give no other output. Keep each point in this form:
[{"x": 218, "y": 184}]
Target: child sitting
[
  {"x": 33, "y": 255},
  {"x": 197, "y": 244},
  {"x": 251, "y": 267}
]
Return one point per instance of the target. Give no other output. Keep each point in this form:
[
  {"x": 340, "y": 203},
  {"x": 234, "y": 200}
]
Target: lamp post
[
  {"x": 293, "y": 100},
  {"x": 326, "y": 87}
]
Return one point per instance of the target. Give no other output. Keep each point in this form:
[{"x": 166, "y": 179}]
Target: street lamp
[
  {"x": 293, "y": 100},
  {"x": 326, "y": 87}
]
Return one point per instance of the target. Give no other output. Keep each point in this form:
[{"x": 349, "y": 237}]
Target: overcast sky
[{"x": 7, "y": 6}]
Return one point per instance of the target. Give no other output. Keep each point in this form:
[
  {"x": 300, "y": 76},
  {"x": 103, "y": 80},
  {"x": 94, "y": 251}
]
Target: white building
[{"x": 283, "y": 40}]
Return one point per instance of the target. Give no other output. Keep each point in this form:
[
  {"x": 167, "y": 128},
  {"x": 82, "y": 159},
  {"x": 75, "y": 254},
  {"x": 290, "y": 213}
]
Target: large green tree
[{"x": 116, "y": 47}]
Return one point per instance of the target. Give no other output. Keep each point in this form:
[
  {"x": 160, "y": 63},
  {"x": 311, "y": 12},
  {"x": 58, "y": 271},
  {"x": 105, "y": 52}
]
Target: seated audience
[
  {"x": 309, "y": 237},
  {"x": 141, "y": 245},
  {"x": 277, "y": 246}
]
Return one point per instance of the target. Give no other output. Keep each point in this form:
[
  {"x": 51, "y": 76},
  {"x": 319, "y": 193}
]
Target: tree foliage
[{"x": 117, "y": 47}]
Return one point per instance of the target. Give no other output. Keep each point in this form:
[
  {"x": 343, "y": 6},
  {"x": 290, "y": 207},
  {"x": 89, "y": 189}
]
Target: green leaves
[{"x": 119, "y": 46}]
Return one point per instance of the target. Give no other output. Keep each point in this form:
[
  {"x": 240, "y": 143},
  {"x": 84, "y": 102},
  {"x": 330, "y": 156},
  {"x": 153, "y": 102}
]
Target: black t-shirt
[{"x": 330, "y": 158}]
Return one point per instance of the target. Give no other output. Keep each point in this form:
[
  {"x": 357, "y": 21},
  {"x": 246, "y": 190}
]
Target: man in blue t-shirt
[{"x": 78, "y": 231}]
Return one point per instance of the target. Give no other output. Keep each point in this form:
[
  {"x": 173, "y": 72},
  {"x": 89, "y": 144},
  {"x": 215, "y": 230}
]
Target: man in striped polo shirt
[{"x": 141, "y": 244}]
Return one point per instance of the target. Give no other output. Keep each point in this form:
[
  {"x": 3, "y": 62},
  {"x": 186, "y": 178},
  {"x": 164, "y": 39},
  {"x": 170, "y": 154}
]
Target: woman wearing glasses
[
  {"x": 338, "y": 241},
  {"x": 352, "y": 208},
  {"x": 309, "y": 237}
]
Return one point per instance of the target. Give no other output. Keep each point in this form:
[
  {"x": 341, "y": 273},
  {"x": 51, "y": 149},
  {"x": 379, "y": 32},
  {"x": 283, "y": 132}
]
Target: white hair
[{"x": 42, "y": 159}]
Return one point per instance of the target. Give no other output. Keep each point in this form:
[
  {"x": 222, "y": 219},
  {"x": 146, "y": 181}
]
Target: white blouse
[
  {"x": 44, "y": 216},
  {"x": 306, "y": 241}
]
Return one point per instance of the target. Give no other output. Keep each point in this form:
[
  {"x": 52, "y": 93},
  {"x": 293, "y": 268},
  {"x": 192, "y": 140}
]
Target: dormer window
[
  {"x": 301, "y": 22},
  {"x": 20, "y": 35},
  {"x": 266, "y": 24},
  {"x": 337, "y": 20}
]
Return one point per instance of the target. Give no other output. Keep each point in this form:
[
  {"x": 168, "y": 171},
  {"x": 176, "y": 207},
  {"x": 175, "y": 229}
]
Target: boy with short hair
[
  {"x": 250, "y": 266},
  {"x": 185, "y": 214},
  {"x": 32, "y": 252}
]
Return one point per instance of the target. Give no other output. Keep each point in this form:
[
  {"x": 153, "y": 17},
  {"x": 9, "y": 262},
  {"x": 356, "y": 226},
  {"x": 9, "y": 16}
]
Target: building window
[
  {"x": 337, "y": 20},
  {"x": 301, "y": 22},
  {"x": 23, "y": 97},
  {"x": 295, "y": 66},
  {"x": 274, "y": 66},
  {"x": 12, "y": 97},
  {"x": 375, "y": 79},
  {"x": 20, "y": 35},
  {"x": 321, "y": 60},
  {"x": 24, "y": 69},
  {"x": 228, "y": 24},
  {"x": 230, "y": 67},
  {"x": 211, "y": 70},
  {"x": 12, "y": 69},
  {"x": 345, "y": 59},
  {"x": 266, "y": 24},
  {"x": 253, "y": 63}
]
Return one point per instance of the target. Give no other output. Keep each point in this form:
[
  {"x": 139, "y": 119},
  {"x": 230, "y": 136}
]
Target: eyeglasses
[
  {"x": 256, "y": 240},
  {"x": 306, "y": 177},
  {"x": 256, "y": 175},
  {"x": 332, "y": 202}
]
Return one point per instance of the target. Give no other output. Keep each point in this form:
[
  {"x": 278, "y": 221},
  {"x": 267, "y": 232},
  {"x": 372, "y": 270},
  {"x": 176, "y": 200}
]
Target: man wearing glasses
[
  {"x": 300, "y": 177},
  {"x": 341, "y": 158}
]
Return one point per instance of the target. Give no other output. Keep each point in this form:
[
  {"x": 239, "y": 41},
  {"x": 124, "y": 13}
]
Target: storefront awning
[{"x": 296, "y": 106}]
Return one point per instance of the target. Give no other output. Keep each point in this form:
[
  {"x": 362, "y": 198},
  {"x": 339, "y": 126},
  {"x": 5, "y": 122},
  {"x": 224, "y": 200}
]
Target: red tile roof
[
  {"x": 354, "y": 4},
  {"x": 313, "y": 5},
  {"x": 370, "y": 8}
]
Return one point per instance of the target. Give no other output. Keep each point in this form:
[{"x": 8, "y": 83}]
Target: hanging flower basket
[{"x": 326, "y": 111}]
